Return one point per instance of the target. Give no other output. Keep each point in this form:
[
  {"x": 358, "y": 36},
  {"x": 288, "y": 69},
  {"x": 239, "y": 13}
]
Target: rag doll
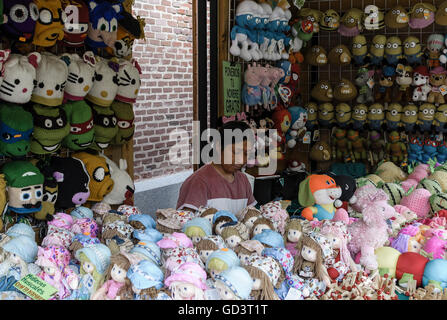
[
  {"x": 404, "y": 79},
  {"x": 422, "y": 15},
  {"x": 105, "y": 85},
  {"x": 412, "y": 50},
  {"x": 386, "y": 81},
  {"x": 197, "y": 228},
  {"x": 208, "y": 213},
  {"x": 16, "y": 127},
  {"x": 377, "y": 49},
  {"x": 435, "y": 43},
  {"x": 270, "y": 239},
  {"x": 266, "y": 273},
  {"x": 393, "y": 50},
  {"x": 351, "y": 23},
  {"x": 147, "y": 281},
  {"x": 250, "y": 215},
  {"x": 437, "y": 82},
  {"x": 275, "y": 212},
  {"x": 421, "y": 78},
  {"x": 260, "y": 225},
  {"x": 397, "y": 17},
  {"x": 188, "y": 282},
  {"x": 221, "y": 260},
  {"x": 359, "y": 49},
  {"x": 234, "y": 284},
  {"x": 292, "y": 235},
  {"x": 21, "y": 252},
  {"x": 365, "y": 82},
  {"x": 208, "y": 245},
  {"x": 426, "y": 116},
  {"x": 50, "y": 25},
  {"x": 220, "y": 218},
  {"x": 231, "y": 236}
]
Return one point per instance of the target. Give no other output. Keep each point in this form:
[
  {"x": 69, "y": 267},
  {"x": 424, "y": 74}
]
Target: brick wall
[{"x": 166, "y": 95}]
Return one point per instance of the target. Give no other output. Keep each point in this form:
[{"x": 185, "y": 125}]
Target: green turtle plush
[
  {"x": 438, "y": 202},
  {"x": 24, "y": 183},
  {"x": 16, "y": 127},
  {"x": 394, "y": 191},
  {"x": 125, "y": 117},
  {"x": 50, "y": 128},
  {"x": 431, "y": 185},
  {"x": 105, "y": 126},
  {"x": 80, "y": 118}
]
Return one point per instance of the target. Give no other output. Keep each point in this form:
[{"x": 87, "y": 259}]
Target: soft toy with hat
[
  {"x": 146, "y": 276},
  {"x": 81, "y": 74},
  {"x": 80, "y": 117},
  {"x": 19, "y": 77},
  {"x": 123, "y": 187},
  {"x": 234, "y": 284},
  {"x": 50, "y": 26},
  {"x": 435, "y": 44},
  {"x": 97, "y": 255},
  {"x": 147, "y": 250},
  {"x": 317, "y": 193},
  {"x": 422, "y": 15},
  {"x": 129, "y": 81},
  {"x": 105, "y": 127},
  {"x": 188, "y": 282},
  {"x": 105, "y": 85},
  {"x": 16, "y": 127},
  {"x": 266, "y": 273},
  {"x": 24, "y": 187},
  {"x": 50, "y": 128},
  {"x": 51, "y": 79},
  {"x": 75, "y": 32},
  {"x": 125, "y": 117},
  {"x": 351, "y": 23},
  {"x": 101, "y": 182},
  {"x": 15, "y": 26}
]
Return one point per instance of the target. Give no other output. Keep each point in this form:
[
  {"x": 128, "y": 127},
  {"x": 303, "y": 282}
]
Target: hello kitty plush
[
  {"x": 51, "y": 79},
  {"x": 81, "y": 72},
  {"x": 106, "y": 83},
  {"x": 129, "y": 81},
  {"x": 19, "y": 77}
]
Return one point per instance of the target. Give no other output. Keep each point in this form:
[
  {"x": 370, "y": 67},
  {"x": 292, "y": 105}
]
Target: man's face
[{"x": 235, "y": 156}]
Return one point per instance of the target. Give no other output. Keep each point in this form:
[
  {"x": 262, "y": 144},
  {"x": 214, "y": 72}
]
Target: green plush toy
[
  {"x": 80, "y": 117},
  {"x": 24, "y": 187},
  {"x": 431, "y": 185},
  {"x": 50, "y": 128},
  {"x": 341, "y": 146},
  {"x": 358, "y": 145},
  {"x": 394, "y": 191},
  {"x": 396, "y": 149},
  {"x": 125, "y": 117},
  {"x": 438, "y": 202},
  {"x": 105, "y": 126},
  {"x": 16, "y": 127}
]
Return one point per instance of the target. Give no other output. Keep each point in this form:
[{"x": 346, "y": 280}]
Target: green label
[
  {"x": 35, "y": 288},
  {"x": 232, "y": 88}
]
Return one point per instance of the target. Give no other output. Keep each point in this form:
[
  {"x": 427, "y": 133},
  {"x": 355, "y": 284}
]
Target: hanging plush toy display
[
  {"x": 75, "y": 31},
  {"x": 359, "y": 49},
  {"x": 377, "y": 49},
  {"x": 330, "y": 20},
  {"x": 397, "y": 18},
  {"x": 125, "y": 121},
  {"x": 21, "y": 17},
  {"x": 322, "y": 91},
  {"x": 80, "y": 117},
  {"x": 340, "y": 55},
  {"x": 129, "y": 81},
  {"x": 105, "y": 85},
  {"x": 413, "y": 50},
  {"x": 345, "y": 90},
  {"x": 373, "y": 18},
  {"x": 16, "y": 127},
  {"x": 104, "y": 126},
  {"x": 50, "y": 25}
]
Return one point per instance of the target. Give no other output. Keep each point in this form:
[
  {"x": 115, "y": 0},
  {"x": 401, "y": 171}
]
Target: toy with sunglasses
[
  {"x": 409, "y": 117},
  {"x": 421, "y": 79},
  {"x": 393, "y": 50},
  {"x": 359, "y": 116},
  {"x": 413, "y": 50},
  {"x": 50, "y": 25},
  {"x": 376, "y": 115},
  {"x": 435, "y": 44}
]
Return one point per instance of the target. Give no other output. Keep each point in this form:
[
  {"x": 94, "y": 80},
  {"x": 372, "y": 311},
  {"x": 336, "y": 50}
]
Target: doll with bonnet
[
  {"x": 197, "y": 228},
  {"x": 292, "y": 235},
  {"x": 21, "y": 252},
  {"x": 188, "y": 282},
  {"x": 261, "y": 224},
  {"x": 221, "y": 260},
  {"x": 246, "y": 249},
  {"x": 249, "y": 215},
  {"x": 220, "y": 218},
  {"x": 234, "y": 284},
  {"x": 207, "y": 213},
  {"x": 275, "y": 212},
  {"x": 116, "y": 286},
  {"x": 231, "y": 236},
  {"x": 147, "y": 281},
  {"x": 265, "y": 272},
  {"x": 207, "y": 245},
  {"x": 285, "y": 260}
]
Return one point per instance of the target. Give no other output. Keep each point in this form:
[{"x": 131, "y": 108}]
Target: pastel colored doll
[
  {"x": 80, "y": 117},
  {"x": 19, "y": 77},
  {"x": 75, "y": 32},
  {"x": 275, "y": 212},
  {"x": 270, "y": 239},
  {"x": 123, "y": 186},
  {"x": 50, "y": 25},
  {"x": 105, "y": 85},
  {"x": 422, "y": 15},
  {"x": 220, "y": 261},
  {"x": 260, "y": 225},
  {"x": 208, "y": 213},
  {"x": 197, "y": 228},
  {"x": 50, "y": 128},
  {"x": 85, "y": 226},
  {"x": 147, "y": 250},
  {"x": 21, "y": 252},
  {"x": 234, "y": 284},
  {"x": 17, "y": 28},
  {"x": 129, "y": 81},
  {"x": 359, "y": 49},
  {"x": 393, "y": 50},
  {"x": 179, "y": 256},
  {"x": 248, "y": 248},
  {"x": 207, "y": 245},
  {"x": 16, "y": 127},
  {"x": 413, "y": 50},
  {"x": 407, "y": 240},
  {"x": 286, "y": 261},
  {"x": 125, "y": 121},
  {"x": 116, "y": 284},
  {"x": 266, "y": 273},
  {"x": 105, "y": 126},
  {"x": 54, "y": 261},
  {"x": 231, "y": 236},
  {"x": 94, "y": 260},
  {"x": 103, "y": 24},
  {"x": 377, "y": 49},
  {"x": 250, "y": 217},
  {"x": 317, "y": 194},
  {"x": 220, "y": 218},
  {"x": 81, "y": 74},
  {"x": 188, "y": 282},
  {"x": 147, "y": 281}
]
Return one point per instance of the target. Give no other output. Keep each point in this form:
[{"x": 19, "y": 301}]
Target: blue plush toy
[
  {"x": 435, "y": 272},
  {"x": 415, "y": 150},
  {"x": 430, "y": 150},
  {"x": 442, "y": 152},
  {"x": 299, "y": 119},
  {"x": 287, "y": 67}
]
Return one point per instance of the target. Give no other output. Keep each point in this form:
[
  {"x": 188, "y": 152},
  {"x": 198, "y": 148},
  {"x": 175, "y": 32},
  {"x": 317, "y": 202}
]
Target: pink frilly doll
[
  {"x": 85, "y": 226},
  {"x": 436, "y": 245},
  {"x": 54, "y": 261},
  {"x": 275, "y": 212},
  {"x": 188, "y": 282},
  {"x": 61, "y": 220}
]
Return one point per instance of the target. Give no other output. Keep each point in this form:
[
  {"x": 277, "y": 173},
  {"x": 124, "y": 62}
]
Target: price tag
[
  {"x": 35, "y": 288},
  {"x": 307, "y": 137},
  {"x": 443, "y": 90},
  {"x": 294, "y": 294}
]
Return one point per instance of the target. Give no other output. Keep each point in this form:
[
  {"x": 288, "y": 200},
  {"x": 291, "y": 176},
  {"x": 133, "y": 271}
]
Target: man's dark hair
[{"x": 233, "y": 125}]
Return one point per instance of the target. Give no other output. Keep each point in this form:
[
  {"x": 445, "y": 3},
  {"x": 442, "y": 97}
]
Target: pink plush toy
[
  {"x": 436, "y": 246},
  {"x": 420, "y": 172},
  {"x": 408, "y": 184},
  {"x": 418, "y": 201},
  {"x": 371, "y": 231},
  {"x": 407, "y": 240},
  {"x": 274, "y": 212},
  {"x": 366, "y": 195}
]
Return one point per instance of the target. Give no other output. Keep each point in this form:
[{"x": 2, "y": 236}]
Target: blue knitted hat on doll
[
  {"x": 226, "y": 255},
  {"x": 98, "y": 254},
  {"x": 145, "y": 274},
  {"x": 238, "y": 280},
  {"x": 202, "y": 223},
  {"x": 82, "y": 212},
  {"x": 146, "y": 220},
  {"x": 224, "y": 213},
  {"x": 270, "y": 238},
  {"x": 148, "y": 249},
  {"x": 149, "y": 234},
  {"x": 21, "y": 229},
  {"x": 24, "y": 247}
]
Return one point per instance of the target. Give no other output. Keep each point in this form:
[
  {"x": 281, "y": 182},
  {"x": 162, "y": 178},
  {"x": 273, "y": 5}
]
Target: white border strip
[{"x": 160, "y": 182}]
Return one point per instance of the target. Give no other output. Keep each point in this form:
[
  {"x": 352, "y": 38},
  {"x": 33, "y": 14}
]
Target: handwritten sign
[
  {"x": 35, "y": 288},
  {"x": 232, "y": 88}
]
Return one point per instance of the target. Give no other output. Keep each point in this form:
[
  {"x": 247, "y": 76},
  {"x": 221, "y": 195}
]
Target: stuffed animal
[
  {"x": 340, "y": 145},
  {"x": 316, "y": 56},
  {"x": 317, "y": 193},
  {"x": 251, "y": 90},
  {"x": 80, "y": 117},
  {"x": 413, "y": 50},
  {"x": 20, "y": 22},
  {"x": 298, "y": 123},
  {"x": 393, "y": 50},
  {"x": 418, "y": 201},
  {"x": 313, "y": 16},
  {"x": 385, "y": 88},
  {"x": 441, "y": 14},
  {"x": 373, "y": 18},
  {"x": 395, "y": 148},
  {"x": 16, "y": 127},
  {"x": 409, "y": 117},
  {"x": 376, "y": 115},
  {"x": 24, "y": 187},
  {"x": 19, "y": 77},
  {"x": 81, "y": 74},
  {"x": 441, "y": 119},
  {"x": 359, "y": 49},
  {"x": 105, "y": 127},
  {"x": 437, "y": 82},
  {"x": 397, "y": 17},
  {"x": 365, "y": 82},
  {"x": 426, "y": 116},
  {"x": 376, "y": 147},
  {"x": 377, "y": 49},
  {"x": 129, "y": 81},
  {"x": 125, "y": 121},
  {"x": 345, "y": 90},
  {"x": 359, "y": 116},
  {"x": 330, "y": 20},
  {"x": 50, "y": 192},
  {"x": 358, "y": 145},
  {"x": 312, "y": 114},
  {"x": 326, "y": 115},
  {"x": 430, "y": 150},
  {"x": 422, "y": 15},
  {"x": 50, "y": 25},
  {"x": 415, "y": 149},
  {"x": 343, "y": 114},
  {"x": 390, "y": 172},
  {"x": 51, "y": 78},
  {"x": 435, "y": 43},
  {"x": 404, "y": 79},
  {"x": 75, "y": 31},
  {"x": 322, "y": 91},
  {"x": 321, "y": 154},
  {"x": 303, "y": 30},
  {"x": 351, "y": 23},
  {"x": 340, "y": 55},
  {"x": 421, "y": 79},
  {"x": 393, "y": 116},
  {"x": 282, "y": 119},
  {"x": 123, "y": 186},
  {"x": 103, "y": 24},
  {"x": 105, "y": 85}
]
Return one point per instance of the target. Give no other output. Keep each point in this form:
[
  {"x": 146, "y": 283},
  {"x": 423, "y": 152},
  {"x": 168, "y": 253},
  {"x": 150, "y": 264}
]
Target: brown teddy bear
[
  {"x": 340, "y": 55},
  {"x": 345, "y": 90},
  {"x": 322, "y": 91},
  {"x": 437, "y": 82},
  {"x": 316, "y": 56}
]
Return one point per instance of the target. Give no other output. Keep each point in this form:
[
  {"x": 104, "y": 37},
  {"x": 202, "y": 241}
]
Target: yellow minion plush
[
  {"x": 409, "y": 117},
  {"x": 343, "y": 114},
  {"x": 413, "y": 50},
  {"x": 359, "y": 49},
  {"x": 50, "y": 26},
  {"x": 359, "y": 116},
  {"x": 393, "y": 116},
  {"x": 326, "y": 114},
  {"x": 393, "y": 50},
  {"x": 377, "y": 49},
  {"x": 426, "y": 116},
  {"x": 376, "y": 115},
  {"x": 440, "y": 121}
]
